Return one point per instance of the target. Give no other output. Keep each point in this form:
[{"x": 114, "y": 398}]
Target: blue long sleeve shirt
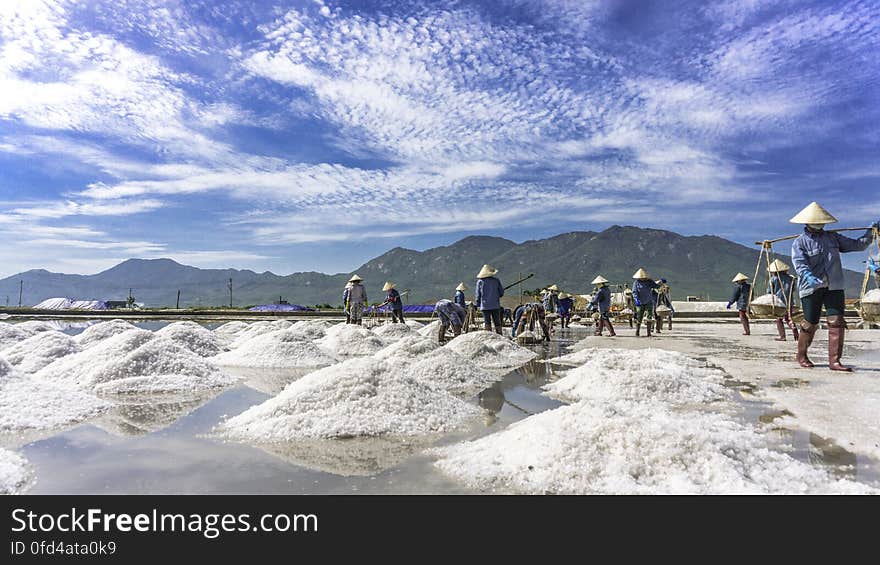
[
  {"x": 740, "y": 296},
  {"x": 602, "y": 300},
  {"x": 642, "y": 291},
  {"x": 780, "y": 286},
  {"x": 818, "y": 253},
  {"x": 459, "y": 299},
  {"x": 450, "y": 312},
  {"x": 488, "y": 293}
]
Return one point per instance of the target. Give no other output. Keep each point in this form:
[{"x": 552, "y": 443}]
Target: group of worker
[{"x": 820, "y": 284}]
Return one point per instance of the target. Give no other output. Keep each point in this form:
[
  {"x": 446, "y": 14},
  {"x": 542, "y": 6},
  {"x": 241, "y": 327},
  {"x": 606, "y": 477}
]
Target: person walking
[
  {"x": 740, "y": 297},
  {"x": 816, "y": 257},
  {"x": 392, "y": 298},
  {"x": 781, "y": 286},
  {"x": 450, "y": 314},
  {"x": 564, "y": 309},
  {"x": 459, "y": 295},
  {"x": 550, "y": 298},
  {"x": 601, "y": 303},
  {"x": 357, "y": 299},
  {"x": 487, "y": 298},
  {"x": 346, "y": 307},
  {"x": 663, "y": 300},
  {"x": 644, "y": 300}
]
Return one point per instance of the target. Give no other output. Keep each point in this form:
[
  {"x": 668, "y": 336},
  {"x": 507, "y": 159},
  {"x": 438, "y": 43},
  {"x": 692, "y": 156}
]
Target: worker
[
  {"x": 530, "y": 313},
  {"x": 601, "y": 303},
  {"x": 781, "y": 286},
  {"x": 550, "y": 298},
  {"x": 644, "y": 300},
  {"x": 487, "y": 297},
  {"x": 816, "y": 257},
  {"x": 630, "y": 304},
  {"x": 450, "y": 314},
  {"x": 663, "y": 299},
  {"x": 357, "y": 299},
  {"x": 564, "y": 309},
  {"x": 345, "y": 305},
  {"x": 393, "y": 299},
  {"x": 459, "y": 295},
  {"x": 741, "y": 291}
]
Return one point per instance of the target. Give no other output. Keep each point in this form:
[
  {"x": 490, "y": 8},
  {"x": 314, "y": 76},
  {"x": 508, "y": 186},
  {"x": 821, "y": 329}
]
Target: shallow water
[{"x": 163, "y": 444}]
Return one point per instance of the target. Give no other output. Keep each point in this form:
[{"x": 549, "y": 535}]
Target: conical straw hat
[
  {"x": 641, "y": 274},
  {"x": 565, "y": 295},
  {"x": 462, "y": 287},
  {"x": 813, "y": 214},
  {"x": 778, "y": 266},
  {"x": 487, "y": 271},
  {"x": 599, "y": 280},
  {"x": 356, "y": 278},
  {"x": 552, "y": 287},
  {"x": 740, "y": 277},
  {"x": 388, "y": 286}
]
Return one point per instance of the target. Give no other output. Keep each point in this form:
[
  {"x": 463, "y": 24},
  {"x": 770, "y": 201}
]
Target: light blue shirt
[
  {"x": 817, "y": 253},
  {"x": 488, "y": 294}
]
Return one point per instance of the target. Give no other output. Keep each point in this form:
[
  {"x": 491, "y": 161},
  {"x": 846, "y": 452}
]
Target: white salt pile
[
  {"x": 449, "y": 371},
  {"x": 32, "y": 404},
  {"x": 632, "y": 448},
  {"x": 99, "y": 332},
  {"x": 231, "y": 328},
  {"x": 7, "y": 371},
  {"x": 310, "y": 329},
  {"x": 195, "y": 338},
  {"x": 681, "y": 306},
  {"x": 37, "y": 351},
  {"x": 11, "y": 334},
  {"x": 407, "y": 349},
  {"x": 414, "y": 324},
  {"x": 650, "y": 375},
  {"x": 350, "y": 339},
  {"x": 356, "y": 398},
  {"x": 252, "y": 331},
  {"x": 15, "y": 474},
  {"x": 393, "y": 332},
  {"x": 431, "y": 330},
  {"x": 280, "y": 349},
  {"x": 769, "y": 300},
  {"x": 488, "y": 349},
  {"x": 872, "y": 296},
  {"x": 157, "y": 366},
  {"x": 281, "y": 324},
  {"x": 77, "y": 369}
]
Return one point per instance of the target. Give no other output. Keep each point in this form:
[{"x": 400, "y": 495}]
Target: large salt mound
[
  {"x": 7, "y": 372},
  {"x": 77, "y": 369},
  {"x": 350, "y": 339},
  {"x": 32, "y": 404},
  {"x": 407, "y": 349},
  {"x": 872, "y": 296},
  {"x": 284, "y": 348},
  {"x": 253, "y": 330},
  {"x": 310, "y": 329},
  {"x": 11, "y": 334},
  {"x": 15, "y": 474},
  {"x": 431, "y": 330},
  {"x": 488, "y": 349},
  {"x": 356, "y": 398},
  {"x": 37, "y": 351},
  {"x": 414, "y": 324},
  {"x": 449, "y": 371},
  {"x": 641, "y": 375},
  {"x": 157, "y": 366},
  {"x": 632, "y": 448},
  {"x": 99, "y": 332},
  {"x": 393, "y": 332},
  {"x": 231, "y": 328},
  {"x": 193, "y": 337}
]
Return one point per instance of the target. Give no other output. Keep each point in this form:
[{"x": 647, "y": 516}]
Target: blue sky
[{"x": 314, "y": 135}]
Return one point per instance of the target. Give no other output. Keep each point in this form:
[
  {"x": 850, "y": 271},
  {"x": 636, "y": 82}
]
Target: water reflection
[
  {"x": 268, "y": 381},
  {"x": 140, "y": 414}
]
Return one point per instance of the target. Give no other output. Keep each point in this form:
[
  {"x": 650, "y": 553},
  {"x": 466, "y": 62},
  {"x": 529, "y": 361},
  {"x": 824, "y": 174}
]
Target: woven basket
[{"x": 767, "y": 311}]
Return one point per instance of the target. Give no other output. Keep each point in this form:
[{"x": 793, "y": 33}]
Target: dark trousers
[
  {"x": 832, "y": 300},
  {"x": 397, "y": 316},
  {"x": 492, "y": 316}
]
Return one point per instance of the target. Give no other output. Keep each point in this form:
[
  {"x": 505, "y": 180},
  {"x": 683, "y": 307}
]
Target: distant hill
[{"x": 694, "y": 265}]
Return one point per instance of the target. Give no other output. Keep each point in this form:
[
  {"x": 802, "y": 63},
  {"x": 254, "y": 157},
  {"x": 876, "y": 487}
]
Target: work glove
[
  {"x": 638, "y": 302},
  {"x": 729, "y": 305},
  {"x": 812, "y": 280}
]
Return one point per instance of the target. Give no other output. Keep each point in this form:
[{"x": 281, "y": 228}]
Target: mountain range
[{"x": 693, "y": 265}]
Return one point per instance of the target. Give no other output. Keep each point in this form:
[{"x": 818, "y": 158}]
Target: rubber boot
[
  {"x": 794, "y": 329},
  {"x": 780, "y": 327},
  {"x": 600, "y": 325},
  {"x": 836, "y": 331},
  {"x": 659, "y": 322},
  {"x": 611, "y": 332},
  {"x": 487, "y": 327},
  {"x": 805, "y": 339},
  {"x": 648, "y": 325},
  {"x": 670, "y": 323},
  {"x": 744, "y": 318},
  {"x": 638, "y": 328}
]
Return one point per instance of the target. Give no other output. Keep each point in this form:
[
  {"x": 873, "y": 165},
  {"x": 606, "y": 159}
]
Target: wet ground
[{"x": 163, "y": 444}]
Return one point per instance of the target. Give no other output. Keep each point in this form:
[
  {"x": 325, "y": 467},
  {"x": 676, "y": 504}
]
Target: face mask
[{"x": 817, "y": 227}]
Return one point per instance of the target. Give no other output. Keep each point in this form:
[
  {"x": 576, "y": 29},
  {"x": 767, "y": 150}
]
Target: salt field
[{"x": 317, "y": 407}]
